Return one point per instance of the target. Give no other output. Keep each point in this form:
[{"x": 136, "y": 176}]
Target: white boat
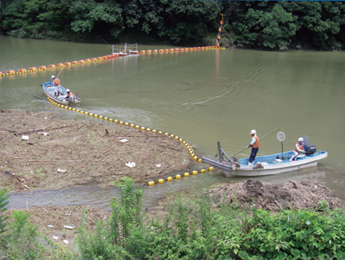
[
  {"x": 50, "y": 90},
  {"x": 266, "y": 164},
  {"x": 127, "y": 50}
]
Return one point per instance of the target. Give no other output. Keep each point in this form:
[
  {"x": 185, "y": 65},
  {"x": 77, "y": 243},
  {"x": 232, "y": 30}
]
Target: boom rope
[{"x": 148, "y": 130}]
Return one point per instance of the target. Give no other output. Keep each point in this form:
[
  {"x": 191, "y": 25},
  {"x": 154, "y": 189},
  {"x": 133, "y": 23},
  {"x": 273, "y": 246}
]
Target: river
[{"x": 203, "y": 96}]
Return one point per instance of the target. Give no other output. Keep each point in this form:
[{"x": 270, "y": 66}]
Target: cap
[
  {"x": 53, "y": 77},
  {"x": 67, "y": 90},
  {"x": 253, "y": 132},
  {"x": 300, "y": 139}
]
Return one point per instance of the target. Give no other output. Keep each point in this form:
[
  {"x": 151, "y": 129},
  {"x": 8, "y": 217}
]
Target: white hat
[
  {"x": 67, "y": 90},
  {"x": 300, "y": 139},
  {"x": 53, "y": 77},
  {"x": 253, "y": 132}
]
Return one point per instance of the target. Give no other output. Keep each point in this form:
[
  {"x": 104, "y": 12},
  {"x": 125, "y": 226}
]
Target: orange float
[
  {"x": 1, "y": 74},
  {"x": 52, "y": 66},
  {"x": 22, "y": 71},
  {"x": 81, "y": 61},
  {"x": 32, "y": 69},
  {"x": 161, "y": 50},
  {"x": 177, "y": 49},
  {"x": 149, "y": 51},
  {"x": 42, "y": 68},
  {"x": 67, "y": 64},
  {"x": 155, "y": 51},
  {"x": 142, "y": 52},
  {"x": 10, "y": 72},
  {"x": 74, "y": 62},
  {"x": 171, "y": 50},
  {"x": 60, "y": 65},
  {"x": 87, "y": 60}
]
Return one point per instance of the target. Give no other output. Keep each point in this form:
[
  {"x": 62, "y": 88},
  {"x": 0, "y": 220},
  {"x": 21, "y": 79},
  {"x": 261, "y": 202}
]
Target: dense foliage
[
  {"x": 249, "y": 24},
  {"x": 191, "y": 229}
]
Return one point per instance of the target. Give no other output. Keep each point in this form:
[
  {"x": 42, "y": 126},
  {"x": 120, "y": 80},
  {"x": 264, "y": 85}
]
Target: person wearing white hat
[
  {"x": 68, "y": 95},
  {"x": 254, "y": 144},
  {"x": 299, "y": 149}
]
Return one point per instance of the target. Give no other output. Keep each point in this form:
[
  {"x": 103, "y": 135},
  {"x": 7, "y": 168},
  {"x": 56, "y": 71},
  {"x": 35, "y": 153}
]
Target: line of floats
[
  {"x": 142, "y": 128},
  {"x": 101, "y": 58},
  {"x": 148, "y": 130}
]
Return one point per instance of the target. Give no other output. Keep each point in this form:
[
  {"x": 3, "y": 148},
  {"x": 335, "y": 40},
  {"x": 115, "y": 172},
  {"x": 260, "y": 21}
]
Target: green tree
[
  {"x": 23, "y": 242},
  {"x": 96, "y": 17},
  {"x": 187, "y": 22},
  {"x": 3, "y": 218},
  {"x": 272, "y": 28}
]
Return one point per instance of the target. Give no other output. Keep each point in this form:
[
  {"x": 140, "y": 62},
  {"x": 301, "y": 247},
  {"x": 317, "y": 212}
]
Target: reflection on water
[{"x": 201, "y": 96}]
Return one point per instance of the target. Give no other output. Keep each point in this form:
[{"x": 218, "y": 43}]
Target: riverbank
[
  {"x": 42, "y": 151},
  {"x": 58, "y": 153}
]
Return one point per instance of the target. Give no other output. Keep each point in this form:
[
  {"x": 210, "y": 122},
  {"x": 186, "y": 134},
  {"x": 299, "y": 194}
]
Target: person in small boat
[
  {"x": 68, "y": 95},
  {"x": 56, "y": 83},
  {"x": 299, "y": 149},
  {"x": 254, "y": 144}
]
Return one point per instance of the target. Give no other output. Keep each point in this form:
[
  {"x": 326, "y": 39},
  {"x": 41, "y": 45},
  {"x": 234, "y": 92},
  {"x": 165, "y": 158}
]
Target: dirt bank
[
  {"x": 274, "y": 197},
  {"x": 76, "y": 152},
  {"x": 41, "y": 151}
]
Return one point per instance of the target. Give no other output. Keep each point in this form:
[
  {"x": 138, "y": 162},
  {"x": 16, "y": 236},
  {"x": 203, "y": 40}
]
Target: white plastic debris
[
  {"x": 61, "y": 170},
  {"x": 69, "y": 227},
  {"x": 158, "y": 165},
  {"x": 123, "y": 140},
  {"x": 130, "y": 164},
  {"x": 43, "y": 133},
  {"x": 25, "y": 137},
  {"x": 65, "y": 241},
  {"x": 50, "y": 226},
  {"x": 55, "y": 237}
]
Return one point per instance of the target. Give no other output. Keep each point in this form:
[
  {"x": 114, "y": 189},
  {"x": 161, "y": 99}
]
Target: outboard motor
[{"x": 309, "y": 149}]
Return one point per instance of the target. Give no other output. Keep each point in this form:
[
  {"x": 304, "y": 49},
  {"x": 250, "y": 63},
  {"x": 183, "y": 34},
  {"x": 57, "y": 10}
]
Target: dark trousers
[{"x": 253, "y": 154}]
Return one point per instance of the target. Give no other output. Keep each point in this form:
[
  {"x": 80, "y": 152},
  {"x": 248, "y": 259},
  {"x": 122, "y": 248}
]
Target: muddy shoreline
[
  {"x": 60, "y": 153},
  {"x": 41, "y": 151}
]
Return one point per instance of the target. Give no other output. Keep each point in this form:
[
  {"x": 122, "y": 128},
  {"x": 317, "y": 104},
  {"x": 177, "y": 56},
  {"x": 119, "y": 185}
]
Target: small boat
[
  {"x": 50, "y": 90},
  {"x": 127, "y": 50},
  {"x": 266, "y": 164}
]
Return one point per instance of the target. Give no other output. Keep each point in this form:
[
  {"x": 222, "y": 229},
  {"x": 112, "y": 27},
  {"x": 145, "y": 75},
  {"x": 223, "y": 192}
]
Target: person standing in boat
[
  {"x": 299, "y": 149},
  {"x": 57, "y": 85},
  {"x": 254, "y": 144}
]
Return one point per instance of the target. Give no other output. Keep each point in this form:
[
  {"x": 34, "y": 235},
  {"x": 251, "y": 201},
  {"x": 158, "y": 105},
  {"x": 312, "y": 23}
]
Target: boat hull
[
  {"x": 267, "y": 165},
  {"x": 49, "y": 90}
]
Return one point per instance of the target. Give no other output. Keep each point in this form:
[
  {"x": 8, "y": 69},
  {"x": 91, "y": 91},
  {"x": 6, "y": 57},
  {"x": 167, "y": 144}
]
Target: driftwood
[{"x": 41, "y": 129}]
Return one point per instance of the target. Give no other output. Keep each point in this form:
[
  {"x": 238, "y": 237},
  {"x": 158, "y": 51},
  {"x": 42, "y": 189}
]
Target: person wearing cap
[
  {"x": 68, "y": 95},
  {"x": 254, "y": 144},
  {"x": 299, "y": 149}
]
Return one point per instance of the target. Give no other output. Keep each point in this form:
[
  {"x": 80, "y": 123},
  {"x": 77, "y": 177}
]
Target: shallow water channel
[{"x": 202, "y": 96}]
